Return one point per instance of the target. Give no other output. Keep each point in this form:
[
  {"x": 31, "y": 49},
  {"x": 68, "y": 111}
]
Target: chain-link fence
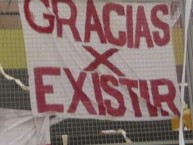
[{"x": 80, "y": 131}]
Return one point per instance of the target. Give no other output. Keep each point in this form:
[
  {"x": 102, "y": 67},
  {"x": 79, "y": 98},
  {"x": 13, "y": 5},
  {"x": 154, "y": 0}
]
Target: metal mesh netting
[{"x": 79, "y": 131}]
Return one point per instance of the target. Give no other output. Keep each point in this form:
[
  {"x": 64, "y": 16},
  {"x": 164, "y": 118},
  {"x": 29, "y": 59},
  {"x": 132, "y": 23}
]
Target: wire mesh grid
[{"x": 79, "y": 131}]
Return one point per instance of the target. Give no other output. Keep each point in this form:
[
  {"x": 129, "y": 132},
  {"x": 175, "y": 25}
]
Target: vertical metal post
[{"x": 190, "y": 65}]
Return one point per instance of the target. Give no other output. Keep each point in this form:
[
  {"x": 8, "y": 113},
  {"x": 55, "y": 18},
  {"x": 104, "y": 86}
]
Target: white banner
[
  {"x": 103, "y": 60},
  {"x": 18, "y": 127}
]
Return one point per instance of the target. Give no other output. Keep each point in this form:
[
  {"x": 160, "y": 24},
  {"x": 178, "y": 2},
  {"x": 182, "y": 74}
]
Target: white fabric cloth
[{"x": 19, "y": 127}]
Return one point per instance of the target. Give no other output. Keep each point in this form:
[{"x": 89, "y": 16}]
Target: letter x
[
  {"x": 79, "y": 95},
  {"x": 102, "y": 59}
]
